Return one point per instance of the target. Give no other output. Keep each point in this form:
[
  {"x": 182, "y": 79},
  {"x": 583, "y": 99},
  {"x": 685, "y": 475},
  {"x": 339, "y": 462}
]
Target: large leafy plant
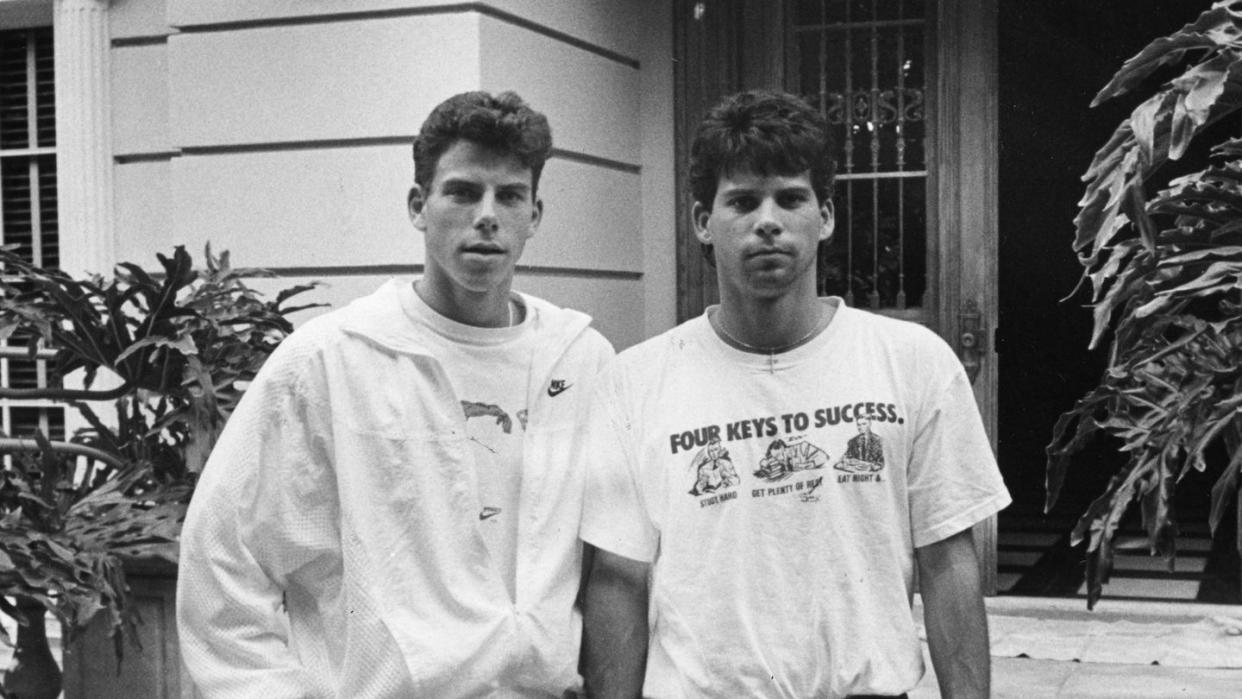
[
  {"x": 1163, "y": 258},
  {"x": 160, "y": 361}
]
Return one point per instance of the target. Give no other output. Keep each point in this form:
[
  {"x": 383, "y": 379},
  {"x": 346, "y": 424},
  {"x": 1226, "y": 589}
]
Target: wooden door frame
[
  {"x": 965, "y": 153},
  {"x": 723, "y": 46}
]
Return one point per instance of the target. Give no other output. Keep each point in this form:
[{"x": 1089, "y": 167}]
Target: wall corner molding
[{"x": 84, "y": 135}]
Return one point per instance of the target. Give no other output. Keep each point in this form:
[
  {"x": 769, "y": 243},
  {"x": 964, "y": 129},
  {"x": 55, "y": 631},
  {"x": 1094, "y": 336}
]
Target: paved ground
[
  {"x": 1027, "y": 678},
  {"x": 1023, "y": 678},
  {"x": 1033, "y": 678}
]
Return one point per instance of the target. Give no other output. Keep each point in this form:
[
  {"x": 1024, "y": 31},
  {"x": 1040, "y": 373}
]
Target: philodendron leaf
[
  {"x": 1156, "y": 513},
  {"x": 1215, "y": 28},
  {"x": 137, "y": 275},
  {"x": 1230, "y": 170},
  {"x": 1196, "y": 93},
  {"x": 1064, "y": 443},
  {"x": 1152, "y": 114},
  {"x": 1224, "y": 489},
  {"x": 1105, "y": 180},
  {"x": 1105, "y": 274},
  {"x": 1218, "y": 276},
  {"x": 1200, "y": 199},
  {"x": 1102, "y": 214},
  {"x": 285, "y": 294},
  {"x": 1226, "y": 230},
  {"x": 183, "y": 344},
  {"x": 1136, "y": 209},
  {"x": 1123, "y": 289},
  {"x": 1102, "y": 520}
]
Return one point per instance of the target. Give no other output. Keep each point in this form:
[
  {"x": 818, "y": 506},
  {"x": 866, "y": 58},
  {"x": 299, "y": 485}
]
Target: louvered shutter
[{"x": 28, "y": 199}]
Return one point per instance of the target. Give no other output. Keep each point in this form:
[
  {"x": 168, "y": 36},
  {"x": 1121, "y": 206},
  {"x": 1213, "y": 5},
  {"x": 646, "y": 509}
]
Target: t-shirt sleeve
[
  {"x": 954, "y": 482},
  {"x": 615, "y": 516}
]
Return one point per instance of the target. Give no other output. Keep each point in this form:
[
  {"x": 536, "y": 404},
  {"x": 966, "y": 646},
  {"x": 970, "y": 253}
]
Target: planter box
[{"x": 89, "y": 664}]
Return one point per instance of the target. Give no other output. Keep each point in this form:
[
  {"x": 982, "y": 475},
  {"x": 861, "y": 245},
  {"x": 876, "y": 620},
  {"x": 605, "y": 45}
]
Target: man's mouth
[
  {"x": 484, "y": 249},
  {"x": 766, "y": 253}
]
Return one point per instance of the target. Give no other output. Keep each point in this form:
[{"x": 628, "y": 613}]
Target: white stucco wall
[{"x": 280, "y": 131}]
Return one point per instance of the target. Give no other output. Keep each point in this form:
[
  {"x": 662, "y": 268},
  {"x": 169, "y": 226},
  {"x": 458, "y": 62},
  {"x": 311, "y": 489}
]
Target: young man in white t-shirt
[
  {"x": 392, "y": 509},
  {"x": 858, "y": 450}
]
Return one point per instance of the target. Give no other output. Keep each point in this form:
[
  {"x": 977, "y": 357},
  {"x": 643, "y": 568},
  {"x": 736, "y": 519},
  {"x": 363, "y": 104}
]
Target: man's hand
[
  {"x": 614, "y": 638},
  {"x": 956, "y": 620}
]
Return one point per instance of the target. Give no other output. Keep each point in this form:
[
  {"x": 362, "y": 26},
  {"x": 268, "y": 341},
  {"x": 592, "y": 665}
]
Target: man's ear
[
  {"x": 700, "y": 214},
  {"x": 536, "y": 216},
  {"x": 414, "y": 202},
  {"x": 830, "y": 223}
]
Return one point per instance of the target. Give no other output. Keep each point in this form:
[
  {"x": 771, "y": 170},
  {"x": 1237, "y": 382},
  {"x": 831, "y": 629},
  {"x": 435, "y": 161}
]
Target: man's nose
[
  {"x": 766, "y": 222},
  {"x": 485, "y": 216}
]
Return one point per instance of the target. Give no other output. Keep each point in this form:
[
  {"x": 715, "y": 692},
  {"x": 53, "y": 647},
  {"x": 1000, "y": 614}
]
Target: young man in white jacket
[{"x": 392, "y": 509}]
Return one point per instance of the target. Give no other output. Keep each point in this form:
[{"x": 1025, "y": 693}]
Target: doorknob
[{"x": 973, "y": 341}]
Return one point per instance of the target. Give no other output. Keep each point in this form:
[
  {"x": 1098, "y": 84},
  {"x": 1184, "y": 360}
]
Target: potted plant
[
  {"x": 162, "y": 360},
  {"x": 1163, "y": 257}
]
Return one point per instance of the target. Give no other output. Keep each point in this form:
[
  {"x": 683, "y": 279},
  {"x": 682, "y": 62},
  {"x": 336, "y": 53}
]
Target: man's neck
[
  {"x": 771, "y": 323},
  {"x": 490, "y": 309}
]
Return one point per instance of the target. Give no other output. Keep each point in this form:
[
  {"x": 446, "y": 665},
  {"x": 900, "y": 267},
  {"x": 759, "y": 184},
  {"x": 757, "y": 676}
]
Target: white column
[{"x": 84, "y": 136}]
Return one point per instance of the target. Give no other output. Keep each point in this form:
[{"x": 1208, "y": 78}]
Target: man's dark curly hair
[
  {"x": 503, "y": 122},
  {"x": 768, "y": 133},
  {"x": 764, "y": 132}
]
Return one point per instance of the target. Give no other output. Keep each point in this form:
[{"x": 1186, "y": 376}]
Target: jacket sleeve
[{"x": 264, "y": 511}]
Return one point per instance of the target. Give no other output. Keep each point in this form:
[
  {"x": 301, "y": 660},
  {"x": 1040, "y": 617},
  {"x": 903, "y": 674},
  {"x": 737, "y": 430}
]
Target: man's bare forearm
[
  {"x": 615, "y": 627},
  {"x": 955, "y": 617}
]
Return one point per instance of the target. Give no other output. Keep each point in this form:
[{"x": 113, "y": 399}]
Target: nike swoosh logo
[
  {"x": 488, "y": 513},
  {"x": 558, "y": 387}
]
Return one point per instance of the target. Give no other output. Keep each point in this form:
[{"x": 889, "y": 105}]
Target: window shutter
[{"x": 28, "y": 201}]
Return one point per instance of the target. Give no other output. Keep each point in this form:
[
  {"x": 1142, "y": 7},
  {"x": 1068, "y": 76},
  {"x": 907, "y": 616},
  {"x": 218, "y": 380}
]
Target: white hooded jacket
[{"x": 332, "y": 545}]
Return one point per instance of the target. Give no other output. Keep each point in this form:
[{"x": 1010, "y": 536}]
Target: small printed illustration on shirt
[
  {"x": 482, "y": 436},
  {"x": 809, "y": 494},
  {"x": 557, "y": 387},
  {"x": 488, "y": 512},
  {"x": 864, "y": 453},
  {"x": 783, "y": 459},
  {"x": 713, "y": 469},
  {"x": 473, "y": 409}
]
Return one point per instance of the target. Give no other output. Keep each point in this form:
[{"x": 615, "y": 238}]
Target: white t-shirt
[
  {"x": 490, "y": 369},
  {"x": 781, "y": 527}
]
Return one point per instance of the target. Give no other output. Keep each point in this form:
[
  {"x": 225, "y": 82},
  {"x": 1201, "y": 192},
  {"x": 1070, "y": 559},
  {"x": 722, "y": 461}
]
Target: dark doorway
[{"x": 1054, "y": 56}]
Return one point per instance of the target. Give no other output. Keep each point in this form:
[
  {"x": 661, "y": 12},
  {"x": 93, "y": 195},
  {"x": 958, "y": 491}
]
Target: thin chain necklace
[{"x": 770, "y": 351}]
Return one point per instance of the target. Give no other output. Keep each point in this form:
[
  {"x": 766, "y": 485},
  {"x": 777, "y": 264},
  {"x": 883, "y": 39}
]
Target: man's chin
[
  {"x": 769, "y": 286},
  {"x": 481, "y": 278}
]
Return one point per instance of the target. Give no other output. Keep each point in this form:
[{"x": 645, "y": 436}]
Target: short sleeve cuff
[
  {"x": 963, "y": 520},
  {"x": 632, "y": 545}
]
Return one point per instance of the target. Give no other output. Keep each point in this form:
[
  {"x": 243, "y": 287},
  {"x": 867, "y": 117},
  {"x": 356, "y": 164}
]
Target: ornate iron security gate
[{"x": 864, "y": 64}]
